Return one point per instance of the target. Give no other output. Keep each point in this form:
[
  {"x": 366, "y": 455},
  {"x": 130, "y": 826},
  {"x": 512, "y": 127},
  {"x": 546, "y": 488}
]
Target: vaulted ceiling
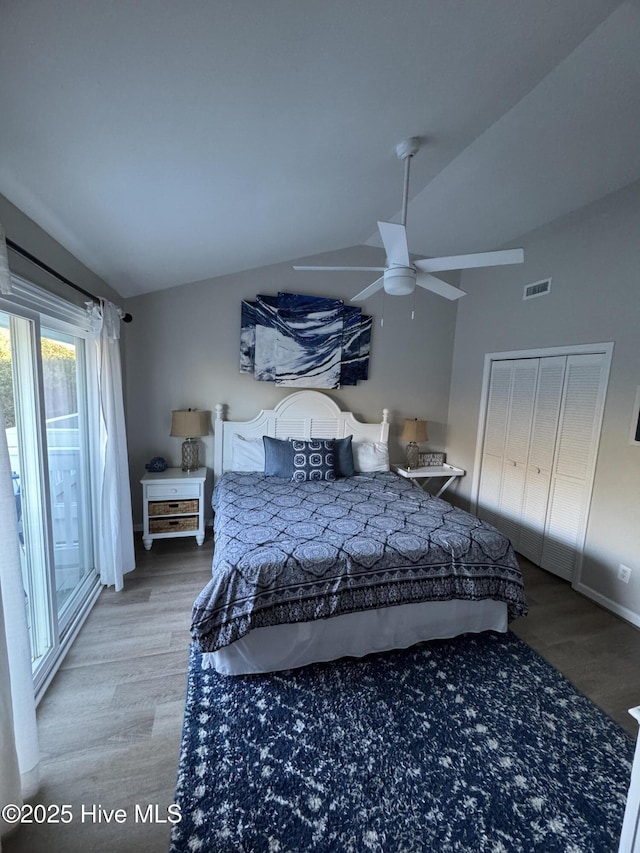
[{"x": 163, "y": 143}]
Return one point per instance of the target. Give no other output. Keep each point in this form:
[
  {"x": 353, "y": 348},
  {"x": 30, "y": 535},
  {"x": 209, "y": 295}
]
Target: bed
[{"x": 342, "y": 559}]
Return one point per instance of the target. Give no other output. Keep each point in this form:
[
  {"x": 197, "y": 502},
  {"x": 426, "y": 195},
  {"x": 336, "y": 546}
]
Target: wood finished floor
[{"x": 110, "y": 723}]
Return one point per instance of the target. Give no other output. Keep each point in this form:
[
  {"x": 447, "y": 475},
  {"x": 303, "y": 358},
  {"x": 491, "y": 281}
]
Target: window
[{"x": 46, "y": 390}]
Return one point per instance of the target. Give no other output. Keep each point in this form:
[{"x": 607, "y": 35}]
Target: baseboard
[{"x": 609, "y": 604}]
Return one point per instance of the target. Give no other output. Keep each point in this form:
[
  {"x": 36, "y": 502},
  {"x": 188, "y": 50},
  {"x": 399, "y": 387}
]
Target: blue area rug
[{"x": 471, "y": 744}]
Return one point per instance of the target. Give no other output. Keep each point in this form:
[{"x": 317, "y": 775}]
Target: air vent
[{"x": 538, "y": 288}]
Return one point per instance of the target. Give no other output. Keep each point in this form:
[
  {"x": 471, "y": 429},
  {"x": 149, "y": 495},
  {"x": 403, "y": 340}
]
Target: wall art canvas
[
  {"x": 247, "y": 337},
  {"x": 266, "y": 309},
  {"x": 350, "y": 368},
  {"x": 364, "y": 337},
  {"x": 309, "y": 341},
  {"x": 304, "y": 341}
]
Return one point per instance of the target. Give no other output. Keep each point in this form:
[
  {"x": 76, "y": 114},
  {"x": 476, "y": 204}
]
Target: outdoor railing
[{"x": 64, "y": 455}]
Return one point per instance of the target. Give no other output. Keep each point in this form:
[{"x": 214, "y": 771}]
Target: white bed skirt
[{"x": 281, "y": 647}]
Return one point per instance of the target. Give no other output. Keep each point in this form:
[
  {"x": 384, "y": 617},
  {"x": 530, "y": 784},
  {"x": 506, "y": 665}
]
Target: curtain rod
[{"x": 126, "y": 318}]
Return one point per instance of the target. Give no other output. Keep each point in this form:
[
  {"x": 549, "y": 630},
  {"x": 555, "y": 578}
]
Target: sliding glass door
[
  {"x": 68, "y": 465},
  {"x": 44, "y": 393}
]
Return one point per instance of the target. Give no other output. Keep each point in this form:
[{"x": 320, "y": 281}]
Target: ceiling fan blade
[
  {"x": 465, "y": 262},
  {"x": 343, "y": 269},
  {"x": 430, "y": 282},
  {"x": 378, "y": 284},
  {"x": 394, "y": 238}
]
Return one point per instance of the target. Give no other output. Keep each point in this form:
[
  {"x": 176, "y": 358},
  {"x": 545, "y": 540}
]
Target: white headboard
[{"x": 303, "y": 414}]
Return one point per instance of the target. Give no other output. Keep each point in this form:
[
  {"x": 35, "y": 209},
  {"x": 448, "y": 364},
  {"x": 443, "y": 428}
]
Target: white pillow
[
  {"x": 370, "y": 456},
  {"x": 247, "y": 454}
]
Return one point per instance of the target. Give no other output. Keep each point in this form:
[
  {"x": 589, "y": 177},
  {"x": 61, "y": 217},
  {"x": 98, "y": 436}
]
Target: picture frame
[
  {"x": 431, "y": 459},
  {"x": 634, "y": 430}
]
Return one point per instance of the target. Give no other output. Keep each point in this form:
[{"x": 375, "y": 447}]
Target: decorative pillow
[
  {"x": 278, "y": 457},
  {"x": 313, "y": 460},
  {"x": 369, "y": 456},
  {"x": 344, "y": 457},
  {"x": 247, "y": 454}
]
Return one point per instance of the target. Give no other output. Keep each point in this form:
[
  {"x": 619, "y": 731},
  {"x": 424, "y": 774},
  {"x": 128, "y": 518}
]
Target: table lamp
[
  {"x": 413, "y": 431},
  {"x": 189, "y": 424}
]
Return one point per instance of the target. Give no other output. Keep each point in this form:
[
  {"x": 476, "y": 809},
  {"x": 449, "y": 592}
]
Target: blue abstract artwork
[
  {"x": 247, "y": 337},
  {"x": 356, "y": 338},
  {"x": 266, "y": 308},
  {"x": 364, "y": 338},
  {"x": 309, "y": 341},
  {"x": 304, "y": 341}
]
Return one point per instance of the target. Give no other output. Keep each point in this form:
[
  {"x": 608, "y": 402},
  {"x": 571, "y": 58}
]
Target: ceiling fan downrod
[{"x": 405, "y": 151}]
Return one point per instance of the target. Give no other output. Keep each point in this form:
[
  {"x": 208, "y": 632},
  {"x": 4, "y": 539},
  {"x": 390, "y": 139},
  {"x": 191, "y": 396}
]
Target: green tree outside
[{"x": 59, "y": 369}]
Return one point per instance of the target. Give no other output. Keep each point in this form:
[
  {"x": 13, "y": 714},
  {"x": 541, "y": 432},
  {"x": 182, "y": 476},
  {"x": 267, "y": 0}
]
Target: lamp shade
[
  {"x": 189, "y": 423},
  {"x": 414, "y": 430}
]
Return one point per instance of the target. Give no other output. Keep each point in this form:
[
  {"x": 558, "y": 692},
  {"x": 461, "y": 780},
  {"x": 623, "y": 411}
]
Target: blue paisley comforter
[{"x": 292, "y": 552}]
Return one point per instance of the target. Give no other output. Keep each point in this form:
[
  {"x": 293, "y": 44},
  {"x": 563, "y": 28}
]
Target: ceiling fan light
[{"x": 399, "y": 281}]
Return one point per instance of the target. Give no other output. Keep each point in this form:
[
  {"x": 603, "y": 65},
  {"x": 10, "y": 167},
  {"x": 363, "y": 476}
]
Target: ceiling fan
[{"x": 401, "y": 274}]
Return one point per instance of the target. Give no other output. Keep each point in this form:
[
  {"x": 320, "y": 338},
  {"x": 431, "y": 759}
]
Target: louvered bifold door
[
  {"x": 516, "y": 451},
  {"x": 572, "y": 474},
  {"x": 495, "y": 435},
  {"x": 541, "y": 453}
]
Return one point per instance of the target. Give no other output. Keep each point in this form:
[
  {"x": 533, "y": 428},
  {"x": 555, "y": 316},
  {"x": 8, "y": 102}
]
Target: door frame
[
  {"x": 41, "y": 308},
  {"x": 605, "y": 349}
]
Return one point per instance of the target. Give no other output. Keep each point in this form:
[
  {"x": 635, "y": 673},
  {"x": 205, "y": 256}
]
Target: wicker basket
[
  {"x": 173, "y": 525},
  {"x": 172, "y": 507}
]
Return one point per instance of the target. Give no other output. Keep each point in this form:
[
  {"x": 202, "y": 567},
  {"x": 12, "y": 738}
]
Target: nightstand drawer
[
  {"x": 172, "y": 525},
  {"x": 172, "y": 507},
  {"x": 178, "y": 492}
]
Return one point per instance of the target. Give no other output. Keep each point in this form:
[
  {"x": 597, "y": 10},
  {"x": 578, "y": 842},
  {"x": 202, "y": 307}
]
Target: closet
[{"x": 541, "y": 430}]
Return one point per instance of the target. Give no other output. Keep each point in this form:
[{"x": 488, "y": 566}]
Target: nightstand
[
  {"x": 417, "y": 474},
  {"x": 173, "y": 505}
]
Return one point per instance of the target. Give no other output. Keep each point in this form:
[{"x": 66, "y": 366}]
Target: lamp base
[
  {"x": 190, "y": 454},
  {"x": 411, "y": 458}
]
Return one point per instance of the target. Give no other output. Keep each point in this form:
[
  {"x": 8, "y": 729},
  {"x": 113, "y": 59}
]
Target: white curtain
[
  {"x": 115, "y": 551},
  {"x": 19, "y": 752}
]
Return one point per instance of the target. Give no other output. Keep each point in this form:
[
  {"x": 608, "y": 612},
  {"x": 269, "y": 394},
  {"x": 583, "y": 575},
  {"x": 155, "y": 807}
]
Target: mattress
[{"x": 295, "y": 554}]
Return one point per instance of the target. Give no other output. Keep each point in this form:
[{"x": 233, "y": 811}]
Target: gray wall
[
  {"x": 24, "y": 231},
  {"x": 593, "y": 257},
  {"x": 183, "y": 350}
]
